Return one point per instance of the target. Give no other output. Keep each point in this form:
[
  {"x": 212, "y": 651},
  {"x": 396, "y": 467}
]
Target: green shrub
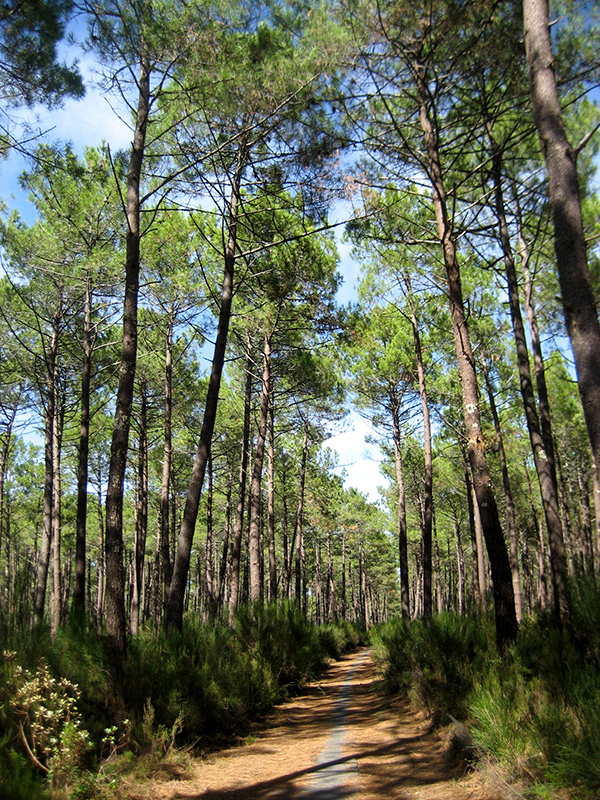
[
  {"x": 436, "y": 662},
  {"x": 18, "y": 778}
]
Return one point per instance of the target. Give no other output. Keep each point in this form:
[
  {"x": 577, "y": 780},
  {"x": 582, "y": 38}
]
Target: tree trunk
[
  {"x": 209, "y": 579},
  {"x": 44, "y": 557},
  {"x": 271, "y": 500},
  {"x": 176, "y": 598},
  {"x": 56, "y": 596},
  {"x": 544, "y": 461},
  {"x": 510, "y": 505},
  {"x": 477, "y": 566},
  {"x": 5, "y": 530},
  {"x": 579, "y": 305},
  {"x": 141, "y": 522},
  {"x": 402, "y": 527},
  {"x": 504, "y": 601},
  {"x": 427, "y": 451},
  {"x": 298, "y": 536},
  {"x": 256, "y": 482},
  {"x": 236, "y": 549},
  {"x": 79, "y": 594},
  {"x": 167, "y": 460},
  {"x": 113, "y": 547}
]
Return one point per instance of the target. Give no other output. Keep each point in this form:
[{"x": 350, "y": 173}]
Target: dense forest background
[{"x": 171, "y": 331}]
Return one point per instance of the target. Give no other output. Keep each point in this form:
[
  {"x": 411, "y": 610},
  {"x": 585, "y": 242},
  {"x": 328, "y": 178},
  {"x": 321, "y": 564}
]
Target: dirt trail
[{"x": 341, "y": 739}]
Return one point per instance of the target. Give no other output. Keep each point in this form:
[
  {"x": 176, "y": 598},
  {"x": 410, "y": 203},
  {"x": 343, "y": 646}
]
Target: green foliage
[
  {"x": 536, "y": 712},
  {"x": 435, "y": 662},
  {"x": 18, "y": 779},
  {"x": 205, "y": 684}
]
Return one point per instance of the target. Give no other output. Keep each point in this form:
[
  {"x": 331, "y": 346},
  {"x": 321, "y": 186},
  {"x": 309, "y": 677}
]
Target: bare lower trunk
[
  {"x": 167, "y": 458},
  {"x": 56, "y": 597},
  {"x": 271, "y": 502},
  {"x": 116, "y": 627},
  {"x": 504, "y": 601},
  {"x": 44, "y": 556},
  {"x": 82, "y": 464},
  {"x": 236, "y": 549},
  {"x": 298, "y": 533},
  {"x": 256, "y": 482},
  {"x": 141, "y": 522},
  {"x": 508, "y": 496},
  {"x": 402, "y": 527},
  {"x": 181, "y": 565},
  {"x": 427, "y": 452},
  {"x": 544, "y": 461}
]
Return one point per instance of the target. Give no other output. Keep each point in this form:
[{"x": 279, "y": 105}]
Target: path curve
[{"x": 343, "y": 739}]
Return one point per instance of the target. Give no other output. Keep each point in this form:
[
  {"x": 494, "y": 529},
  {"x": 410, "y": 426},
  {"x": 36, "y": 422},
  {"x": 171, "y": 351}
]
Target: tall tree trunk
[
  {"x": 141, "y": 522},
  {"x": 209, "y": 580},
  {"x": 5, "y": 529},
  {"x": 318, "y": 581},
  {"x": 477, "y": 563},
  {"x": 298, "y": 533},
  {"x": 343, "y": 590},
  {"x": 56, "y": 596},
  {"x": 544, "y": 462},
  {"x": 79, "y": 594},
  {"x": 402, "y": 526},
  {"x": 221, "y": 588},
  {"x": 504, "y": 600},
  {"x": 271, "y": 500},
  {"x": 44, "y": 557},
  {"x": 181, "y": 565},
  {"x": 508, "y": 496},
  {"x": 427, "y": 452},
  {"x": 331, "y": 604},
  {"x": 236, "y": 549},
  {"x": 579, "y": 305},
  {"x": 116, "y": 627},
  {"x": 167, "y": 459},
  {"x": 257, "y": 469},
  {"x": 100, "y": 558}
]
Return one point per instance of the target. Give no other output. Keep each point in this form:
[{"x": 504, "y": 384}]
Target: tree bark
[
  {"x": 167, "y": 459},
  {"x": 82, "y": 463},
  {"x": 238, "y": 529},
  {"x": 427, "y": 452},
  {"x": 116, "y": 628},
  {"x": 44, "y": 557},
  {"x": 544, "y": 462},
  {"x": 181, "y": 565},
  {"x": 579, "y": 305},
  {"x": 271, "y": 500},
  {"x": 298, "y": 534},
  {"x": 5, "y": 530},
  {"x": 56, "y": 596},
  {"x": 504, "y": 601},
  {"x": 141, "y": 522},
  {"x": 402, "y": 527},
  {"x": 257, "y": 469},
  {"x": 508, "y": 496}
]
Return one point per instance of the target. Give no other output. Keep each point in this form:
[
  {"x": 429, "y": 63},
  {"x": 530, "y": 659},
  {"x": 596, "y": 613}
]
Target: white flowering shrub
[{"x": 48, "y": 721}]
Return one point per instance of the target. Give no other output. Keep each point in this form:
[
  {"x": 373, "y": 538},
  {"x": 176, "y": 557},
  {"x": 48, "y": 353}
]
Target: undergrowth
[
  {"x": 535, "y": 714},
  {"x": 60, "y": 737}
]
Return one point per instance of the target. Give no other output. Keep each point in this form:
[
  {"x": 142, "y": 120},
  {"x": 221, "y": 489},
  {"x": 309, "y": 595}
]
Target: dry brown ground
[{"x": 389, "y": 752}]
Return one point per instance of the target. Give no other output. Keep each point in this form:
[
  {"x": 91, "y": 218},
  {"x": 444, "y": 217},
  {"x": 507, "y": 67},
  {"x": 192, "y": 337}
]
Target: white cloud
[{"x": 357, "y": 458}]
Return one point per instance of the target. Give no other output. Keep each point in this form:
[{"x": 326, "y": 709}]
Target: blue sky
[{"x": 92, "y": 120}]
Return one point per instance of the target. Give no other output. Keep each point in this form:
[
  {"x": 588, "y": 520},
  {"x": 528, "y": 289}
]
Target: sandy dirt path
[{"x": 343, "y": 738}]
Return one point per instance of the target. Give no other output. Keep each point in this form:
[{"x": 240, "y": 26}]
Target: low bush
[
  {"x": 535, "y": 713},
  {"x": 196, "y": 687}
]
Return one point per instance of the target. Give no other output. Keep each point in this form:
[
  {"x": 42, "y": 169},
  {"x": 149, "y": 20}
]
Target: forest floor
[{"x": 343, "y": 738}]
